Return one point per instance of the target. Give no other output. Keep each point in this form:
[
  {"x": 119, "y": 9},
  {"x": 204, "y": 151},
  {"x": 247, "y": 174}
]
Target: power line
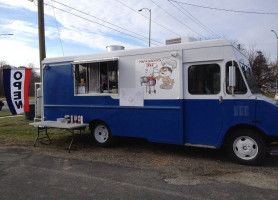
[
  {"x": 194, "y": 19},
  {"x": 57, "y": 28},
  {"x": 98, "y": 23},
  {"x": 147, "y": 18},
  {"x": 227, "y": 10},
  {"x": 104, "y": 21},
  {"x": 176, "y": 18}
]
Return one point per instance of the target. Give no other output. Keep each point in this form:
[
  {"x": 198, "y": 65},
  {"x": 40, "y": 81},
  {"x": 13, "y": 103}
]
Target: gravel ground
[{"x": 179, "y": 165}]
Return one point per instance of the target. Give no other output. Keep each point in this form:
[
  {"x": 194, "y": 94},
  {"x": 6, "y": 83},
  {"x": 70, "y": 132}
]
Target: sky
[{"x": 88, "y": 26}]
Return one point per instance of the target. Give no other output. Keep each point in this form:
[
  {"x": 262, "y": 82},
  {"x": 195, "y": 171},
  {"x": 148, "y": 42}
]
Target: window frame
[
  {"x": 238, "y": 72},
  {"x": 200, "y": 64},
  {"x": 88, "y": 78}
]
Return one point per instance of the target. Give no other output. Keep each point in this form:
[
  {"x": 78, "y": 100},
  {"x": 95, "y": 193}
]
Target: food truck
[{"x": 199, "y": 93}]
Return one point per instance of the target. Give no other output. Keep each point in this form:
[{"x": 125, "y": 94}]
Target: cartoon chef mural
[
  {"x": 165, "y": 73},
  {"x": 158, "y": 77}
]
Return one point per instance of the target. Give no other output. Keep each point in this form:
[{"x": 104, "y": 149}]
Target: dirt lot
[{"x": 179, "y": 165}]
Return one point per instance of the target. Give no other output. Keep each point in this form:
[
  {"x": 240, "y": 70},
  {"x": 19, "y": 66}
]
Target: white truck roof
[{"x": 172, "y": 47}]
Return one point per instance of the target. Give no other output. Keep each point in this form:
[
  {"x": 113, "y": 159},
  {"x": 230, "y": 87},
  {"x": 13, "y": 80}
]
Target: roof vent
[
  {"x": 180, "y": 40},
  {"x": 115, "y": 48}
]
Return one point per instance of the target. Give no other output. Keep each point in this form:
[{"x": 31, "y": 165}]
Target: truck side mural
[{"x": 158, "y": 76}]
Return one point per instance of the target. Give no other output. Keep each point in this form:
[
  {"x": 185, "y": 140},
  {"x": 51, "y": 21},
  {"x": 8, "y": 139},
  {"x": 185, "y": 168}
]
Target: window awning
[{"x": 94, "y": 60}]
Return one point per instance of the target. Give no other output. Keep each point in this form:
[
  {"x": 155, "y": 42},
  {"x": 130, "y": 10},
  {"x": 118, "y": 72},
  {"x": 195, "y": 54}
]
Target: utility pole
[
  {"x": 150, "y": 22},
  {"x": 41, "y": 33},
  {"x": 277, "y": 45},
  {"x": 276, "y": 63}
]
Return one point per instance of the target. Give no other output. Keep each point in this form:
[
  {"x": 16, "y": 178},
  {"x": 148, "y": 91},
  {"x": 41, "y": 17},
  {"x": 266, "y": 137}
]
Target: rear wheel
[
  {"x": 101, "y": 134},
  {"x": 246, "y": 147}
]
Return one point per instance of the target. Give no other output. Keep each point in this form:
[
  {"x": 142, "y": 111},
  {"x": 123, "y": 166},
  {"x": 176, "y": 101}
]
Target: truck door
[{"x": 202, "y": 103}]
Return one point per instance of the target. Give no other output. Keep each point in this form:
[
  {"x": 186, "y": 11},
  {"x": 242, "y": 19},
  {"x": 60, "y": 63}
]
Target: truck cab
[{"x": 224, "y": 106}]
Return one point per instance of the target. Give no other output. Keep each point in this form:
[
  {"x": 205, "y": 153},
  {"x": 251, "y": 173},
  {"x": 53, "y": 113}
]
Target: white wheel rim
[
  {"x": 101, "y": 133},
  {"x": 245, "y": 148}
]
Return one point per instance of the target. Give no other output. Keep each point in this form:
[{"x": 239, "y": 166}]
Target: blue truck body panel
[
  {"x": 158, "y": 120},
  {"x": 267, "y": 114}
]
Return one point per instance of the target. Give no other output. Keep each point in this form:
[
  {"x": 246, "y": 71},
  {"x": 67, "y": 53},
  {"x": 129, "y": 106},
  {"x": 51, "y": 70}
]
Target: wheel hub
[
  {"x": 101, "y": 134},
  {"x": 245, "y": 148}
]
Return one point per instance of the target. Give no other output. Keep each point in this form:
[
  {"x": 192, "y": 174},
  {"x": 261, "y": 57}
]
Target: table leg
[
  {"x": 72, "y": 137},
  {"x": 47, "y": 136},
  {"x": 41, "y": 129},
  {"x": 37, "y": 137},
  {"x": 82, "y": 138}
]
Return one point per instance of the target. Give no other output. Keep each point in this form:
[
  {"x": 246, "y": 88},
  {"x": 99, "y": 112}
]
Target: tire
[
  {"x": 101, "y": 134},
  {"x": 246, "y": 147}
]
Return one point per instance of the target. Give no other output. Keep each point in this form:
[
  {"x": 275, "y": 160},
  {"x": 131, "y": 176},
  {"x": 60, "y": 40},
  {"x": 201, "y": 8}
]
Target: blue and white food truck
[{"x": 199, "y": 93}]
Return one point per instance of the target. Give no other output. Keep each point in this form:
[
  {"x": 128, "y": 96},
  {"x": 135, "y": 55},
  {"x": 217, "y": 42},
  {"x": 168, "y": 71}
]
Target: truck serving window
[
  {"x": 96, "y": 77},
  {"x": 240, "y": 87},
  {"x": 204, "y": 79}
]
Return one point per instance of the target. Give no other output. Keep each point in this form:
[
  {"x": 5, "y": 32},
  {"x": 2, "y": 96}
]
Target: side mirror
[{"x": 232, "y": 76}]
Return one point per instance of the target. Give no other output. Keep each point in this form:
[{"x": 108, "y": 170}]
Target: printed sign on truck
[{"x": 159, "y": 77}]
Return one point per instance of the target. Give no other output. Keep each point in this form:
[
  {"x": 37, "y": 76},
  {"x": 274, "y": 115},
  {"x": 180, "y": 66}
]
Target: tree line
[
  {"x": 264, "y": 71},
  {"x": 35, "y": 77}
]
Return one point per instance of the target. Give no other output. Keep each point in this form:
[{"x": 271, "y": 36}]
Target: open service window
[{"x": 96, "y": 77}]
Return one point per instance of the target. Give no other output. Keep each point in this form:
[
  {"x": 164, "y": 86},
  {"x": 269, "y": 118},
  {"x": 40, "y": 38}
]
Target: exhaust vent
[
  {"x": 115, "y": 48},
  {"x": 180, "y": 40}
]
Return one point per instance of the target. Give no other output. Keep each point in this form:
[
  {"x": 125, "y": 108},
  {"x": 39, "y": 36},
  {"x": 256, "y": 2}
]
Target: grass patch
[
  {"x": 5, "y": 113},
  {"x": 17, "y": 131},
  {"x": 270, "y": 95},
  {"x": 16, "y": 128},
  {"x": 4, "y": 98},
  {"x": 31, "y": 98}
]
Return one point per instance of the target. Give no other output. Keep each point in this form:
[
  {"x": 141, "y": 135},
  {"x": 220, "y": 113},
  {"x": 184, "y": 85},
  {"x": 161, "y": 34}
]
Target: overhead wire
[
  {"x": 177, "y": 19},
  {"x": 57, "y": 28},
  {"x": 104, "y": 21},
  {"x": 194, "y": 19},
  {"x": 99, "y": 23},
  {"x": 227, "y": 10},
  {"x": 147, "y": 18}
]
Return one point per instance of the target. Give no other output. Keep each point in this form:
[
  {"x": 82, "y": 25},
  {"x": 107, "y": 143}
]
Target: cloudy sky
[{"x": 88, "y": 26}]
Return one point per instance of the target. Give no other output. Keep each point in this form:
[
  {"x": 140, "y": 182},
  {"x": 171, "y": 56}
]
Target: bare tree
[
  {"x": 3, "y": 65},
  {"x": 263, "y": 71},
  {"x": 34, "y": 78}
]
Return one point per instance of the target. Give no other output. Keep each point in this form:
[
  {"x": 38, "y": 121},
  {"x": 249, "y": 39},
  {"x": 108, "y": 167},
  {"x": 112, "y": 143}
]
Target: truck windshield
[{"x": 247, "y": 72}]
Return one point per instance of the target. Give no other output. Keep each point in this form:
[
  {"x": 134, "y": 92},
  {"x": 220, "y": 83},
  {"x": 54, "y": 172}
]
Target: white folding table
[{"x": 44, "y": 125}]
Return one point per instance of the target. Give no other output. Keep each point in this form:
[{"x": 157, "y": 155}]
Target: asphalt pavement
[{"x": 27, "y": 175}]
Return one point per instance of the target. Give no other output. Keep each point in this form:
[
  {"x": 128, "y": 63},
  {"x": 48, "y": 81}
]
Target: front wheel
[
  {"x": 101, "y": 134},
  {"x": 246, "y": 147}
]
